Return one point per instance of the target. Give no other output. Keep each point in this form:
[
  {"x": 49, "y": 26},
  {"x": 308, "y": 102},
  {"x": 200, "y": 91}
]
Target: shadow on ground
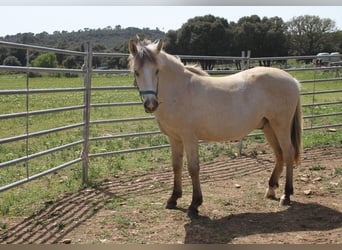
[{"x": 298, "y": 217}]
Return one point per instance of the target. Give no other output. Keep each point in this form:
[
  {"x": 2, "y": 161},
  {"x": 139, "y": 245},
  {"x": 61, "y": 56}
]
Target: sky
[{"x": 37, "y": 19}]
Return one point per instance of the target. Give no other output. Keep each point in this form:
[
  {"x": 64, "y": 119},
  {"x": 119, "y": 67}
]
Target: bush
[
  {"x": 11, "y": 61},
  {"x": 48, "y": 60}
]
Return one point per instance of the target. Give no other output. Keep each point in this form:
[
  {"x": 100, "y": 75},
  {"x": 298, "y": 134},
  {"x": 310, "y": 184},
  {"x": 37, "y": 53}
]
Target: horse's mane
[
  {"x": 192, "y": 68},
  {"x": 196, "y": 70}
]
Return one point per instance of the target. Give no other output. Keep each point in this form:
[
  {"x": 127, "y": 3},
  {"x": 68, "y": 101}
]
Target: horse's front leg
[
  {"x": 177, "y": 164},
  {"x": 191, "y": 149}
]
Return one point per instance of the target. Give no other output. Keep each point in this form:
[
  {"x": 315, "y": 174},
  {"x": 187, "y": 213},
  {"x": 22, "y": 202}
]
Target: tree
[
  {"x": 98, "y": 61},
  {"x": 11, "y": 61},
  {"x": 248, "y": 35},
  {"x": 307, "y": 34},
  {"x": 48, "y": 60},
  {"x": 333, "y": 42},
  {"x": 71, "y": 62},
  {"x": 171, "y": 42},
  {"x": 203, "y": 35},
  {"x": 264, "y": 37},
  {"x": 4, "y": 52},
  {"x": 275, "y": 42}
]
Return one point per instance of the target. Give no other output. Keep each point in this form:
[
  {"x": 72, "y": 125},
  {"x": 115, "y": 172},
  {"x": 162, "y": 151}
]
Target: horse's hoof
[
  {"x": 193, "y": 213},
  {"x": 270, "y": 194},
  {"x": 284, "y": 201},
  {"x": 171, "y": 205},
  {"x": 271, "y": 197}
]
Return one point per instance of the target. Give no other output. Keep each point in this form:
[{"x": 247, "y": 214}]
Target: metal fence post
[
  {"x": 27, "y": 115},
  {"x": 243, "y": 57},
  {"x": 248, "y": 59},
  {"x": 246, "y": 65},
  {"x": 87, "y": 68}
]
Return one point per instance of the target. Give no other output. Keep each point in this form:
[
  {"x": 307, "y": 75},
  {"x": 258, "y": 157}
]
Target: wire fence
[{"x": 80, "y": 125}]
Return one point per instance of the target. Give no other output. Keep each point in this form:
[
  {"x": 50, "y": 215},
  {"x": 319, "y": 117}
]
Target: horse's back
[
  {"x": 271, "y": 77},
  {"x": 265, "y": 85},
  {"x": 261, "y": 84}
]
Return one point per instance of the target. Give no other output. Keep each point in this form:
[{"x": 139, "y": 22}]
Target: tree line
[
  {"x": 202, "y": 35},
  {"x": 210, "y": 35},
  {"x": 109, "y": 39}
]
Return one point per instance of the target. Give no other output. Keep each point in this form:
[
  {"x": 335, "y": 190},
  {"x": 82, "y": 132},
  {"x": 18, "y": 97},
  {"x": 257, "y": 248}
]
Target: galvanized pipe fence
[{"x": 87, "y": 73}]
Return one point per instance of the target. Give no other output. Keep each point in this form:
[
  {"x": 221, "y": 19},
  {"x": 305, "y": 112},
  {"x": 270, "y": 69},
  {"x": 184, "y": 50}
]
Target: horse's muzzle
[{"x": 150, "y": 105}]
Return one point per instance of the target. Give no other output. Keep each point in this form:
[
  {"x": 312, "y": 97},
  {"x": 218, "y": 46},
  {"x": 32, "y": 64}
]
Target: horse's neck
[
  {"x": 173, "y": 78},
  {"x": 174, "y": 69},
  {"x": 172, "y": 64}
]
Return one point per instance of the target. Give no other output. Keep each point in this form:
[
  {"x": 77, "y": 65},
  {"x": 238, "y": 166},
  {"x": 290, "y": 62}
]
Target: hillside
[{"x": 107, "y": 39}]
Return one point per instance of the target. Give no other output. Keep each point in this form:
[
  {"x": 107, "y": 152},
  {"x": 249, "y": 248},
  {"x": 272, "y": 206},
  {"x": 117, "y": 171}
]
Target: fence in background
[{"x": 85, "y": 124}]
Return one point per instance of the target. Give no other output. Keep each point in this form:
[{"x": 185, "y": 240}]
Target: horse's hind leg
[
  {"x": 274, "y": 179},
  {"x": 177, "y": 164},
  {"x": 288, "y": 153}
]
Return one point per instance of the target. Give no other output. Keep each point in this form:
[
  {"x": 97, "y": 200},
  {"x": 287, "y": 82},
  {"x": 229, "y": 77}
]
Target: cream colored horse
[{"x": 189, "y": 106}]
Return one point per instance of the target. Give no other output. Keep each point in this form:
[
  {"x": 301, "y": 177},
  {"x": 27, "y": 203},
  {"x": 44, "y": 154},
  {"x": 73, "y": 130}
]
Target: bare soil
[{"x": 130, "y": 208}]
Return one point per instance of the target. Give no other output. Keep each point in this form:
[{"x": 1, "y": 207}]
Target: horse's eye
[
  {"x": 136, "y": 73},
  {"x": 157, "y": 71}
]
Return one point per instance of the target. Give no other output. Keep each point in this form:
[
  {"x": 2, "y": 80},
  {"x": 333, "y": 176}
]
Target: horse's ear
[
  {"x": 160, "y": 45},
  {"x": 132, "y": 47}
]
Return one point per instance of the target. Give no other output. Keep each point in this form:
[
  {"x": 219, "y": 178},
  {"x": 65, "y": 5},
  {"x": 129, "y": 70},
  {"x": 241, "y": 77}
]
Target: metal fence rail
[
  {"x": 87, "y": 122},
  {"x": 27, "y": 115}
]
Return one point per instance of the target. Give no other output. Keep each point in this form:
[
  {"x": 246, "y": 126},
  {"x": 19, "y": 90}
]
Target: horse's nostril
[{"x": 150, "y": 105}]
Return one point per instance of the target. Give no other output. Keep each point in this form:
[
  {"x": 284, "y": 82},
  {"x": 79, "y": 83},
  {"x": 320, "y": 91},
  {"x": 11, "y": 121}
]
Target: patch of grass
[
  {"x": 113, "y": 203},
  {"x": 5, "y": 208},
  {"x": 317, "y": 168},
  {"x": 338, "y": 171},
  {"x": 231, "y": 153},
  {"x": 332, "y": 187},
  {"x": 3, "y": 226},
  {"x": 322, "y": 138},
  {"x": 254, "y": 153},
  {"x": 61, "y": 226}
]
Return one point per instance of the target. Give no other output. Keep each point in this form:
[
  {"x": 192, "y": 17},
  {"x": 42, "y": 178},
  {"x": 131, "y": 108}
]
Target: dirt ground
[{"x": 130, "y": 209}]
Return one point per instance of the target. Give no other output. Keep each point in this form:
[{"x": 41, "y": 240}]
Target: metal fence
[{"x": 88, "y": 118}]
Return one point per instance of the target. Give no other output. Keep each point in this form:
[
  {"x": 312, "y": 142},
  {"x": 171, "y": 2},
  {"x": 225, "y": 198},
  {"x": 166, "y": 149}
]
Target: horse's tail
[{"x": 296, "y": 132}]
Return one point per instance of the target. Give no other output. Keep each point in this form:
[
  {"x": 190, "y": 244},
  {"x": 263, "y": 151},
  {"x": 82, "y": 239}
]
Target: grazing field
[{"x": 29, "y": 198}]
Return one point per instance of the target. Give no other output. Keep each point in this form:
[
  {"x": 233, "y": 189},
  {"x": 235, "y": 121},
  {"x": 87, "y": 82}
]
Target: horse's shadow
[{"x": 298, "y": 217}]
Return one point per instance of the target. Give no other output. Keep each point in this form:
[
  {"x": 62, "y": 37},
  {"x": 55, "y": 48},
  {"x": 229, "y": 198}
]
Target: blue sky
[{"x": 36, "y": 19}]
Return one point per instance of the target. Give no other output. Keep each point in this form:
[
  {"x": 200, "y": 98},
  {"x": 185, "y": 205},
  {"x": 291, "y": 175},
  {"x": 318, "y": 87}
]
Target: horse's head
[{"x": 143, "y": 62}]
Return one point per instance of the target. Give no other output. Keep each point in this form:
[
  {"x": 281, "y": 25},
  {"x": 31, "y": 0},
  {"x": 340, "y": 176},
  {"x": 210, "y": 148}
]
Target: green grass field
[{"x": 27, "y": 198}]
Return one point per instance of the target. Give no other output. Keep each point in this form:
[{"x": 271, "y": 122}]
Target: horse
[{"x": 189, "y": 105}]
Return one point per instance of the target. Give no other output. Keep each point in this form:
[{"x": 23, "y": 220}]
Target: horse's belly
[
  {"x": 223, "y": 130},
  {"x": 222, "y": 135}
]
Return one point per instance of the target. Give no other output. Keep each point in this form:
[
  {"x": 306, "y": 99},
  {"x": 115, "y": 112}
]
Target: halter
[{"x": 146, "y": 92}]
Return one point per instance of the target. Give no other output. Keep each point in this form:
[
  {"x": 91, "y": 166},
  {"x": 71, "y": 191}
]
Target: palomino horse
[{"x": 189, "y": 105}]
